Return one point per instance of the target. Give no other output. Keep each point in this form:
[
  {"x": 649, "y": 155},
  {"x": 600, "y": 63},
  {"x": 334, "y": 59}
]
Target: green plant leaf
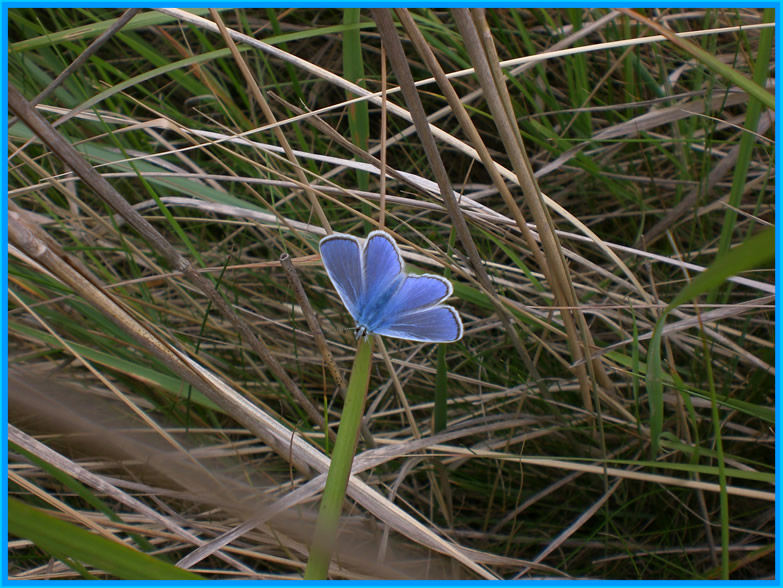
[{"x": 756, "y": 250}]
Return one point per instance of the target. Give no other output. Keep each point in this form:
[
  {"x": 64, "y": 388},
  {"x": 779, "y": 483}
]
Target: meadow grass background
[{"x": 167, "y": 385}]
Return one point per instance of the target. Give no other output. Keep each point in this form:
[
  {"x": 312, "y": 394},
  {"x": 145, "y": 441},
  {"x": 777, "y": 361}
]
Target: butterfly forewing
[
  {"x": 382, "y": 264},
  {"x": 341, "y": 255}
]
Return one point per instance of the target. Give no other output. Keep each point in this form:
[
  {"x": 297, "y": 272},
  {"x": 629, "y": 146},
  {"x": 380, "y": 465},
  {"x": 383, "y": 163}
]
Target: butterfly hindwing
[
  {"x": 418, "y": 291},
  {"x": 435, "y": 324}
]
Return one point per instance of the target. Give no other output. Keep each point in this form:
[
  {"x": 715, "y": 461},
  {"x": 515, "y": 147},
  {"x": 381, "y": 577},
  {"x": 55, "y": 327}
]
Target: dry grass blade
[
  {"x": 276, "y": 435},
  {"x": 583, "y": 518},
  {"x": 472, "y": 27},
  {"x": 97, "y": 482},
  {"x": 176, "y": 260},
  {"x": 402, "y": 70}
]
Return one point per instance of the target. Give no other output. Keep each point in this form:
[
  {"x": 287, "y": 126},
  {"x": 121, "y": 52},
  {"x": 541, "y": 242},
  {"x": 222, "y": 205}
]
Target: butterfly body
[
  {"x": 371, "y": 313},
  {"x": 369, "y": 275}
]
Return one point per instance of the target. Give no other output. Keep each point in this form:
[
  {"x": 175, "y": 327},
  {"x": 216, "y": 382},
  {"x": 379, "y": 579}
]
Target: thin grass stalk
[
  {"x": 66, "y": 152},
  {"x": 497, "y": 99},
  {"x": 402, "y": 70},
  {"x": 84, "y": 56},
  {"x": 340, "y": 467},
  {"x": 353, "y": 71},
  {"x": 252, "y": 84},
  {"x": 748, "y": 139},
  {"x": 722, "y": 480},
  {"x": 435, "y": 488}
]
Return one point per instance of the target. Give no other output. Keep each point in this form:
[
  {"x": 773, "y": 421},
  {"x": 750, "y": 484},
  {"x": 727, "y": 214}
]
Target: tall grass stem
[{"x": 340, "y": 468}]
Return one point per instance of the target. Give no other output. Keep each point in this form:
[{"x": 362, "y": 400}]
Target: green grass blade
[
  {"x": 174, "y": 386},
  {"x": 715, "y": 64},
  {"x": 353, "y": 70},
  {"x": 756, "y": 250},
  {"x": 65, "y": 539},
  {"x": 80, "y": 490},
  {"x": 342, "y": 460},
  {"x": 85, "y": 32},
  {"x": 748, "y": 138}
]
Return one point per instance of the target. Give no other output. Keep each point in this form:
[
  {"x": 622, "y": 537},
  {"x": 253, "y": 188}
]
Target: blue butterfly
[{"x": 382, "y": 298}]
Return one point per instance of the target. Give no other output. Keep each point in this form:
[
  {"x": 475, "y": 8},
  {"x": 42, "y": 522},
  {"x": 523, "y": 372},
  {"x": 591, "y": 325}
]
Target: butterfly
[{"x": 369, "y": 275}]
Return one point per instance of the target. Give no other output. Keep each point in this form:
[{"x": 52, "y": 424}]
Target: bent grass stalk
[{"x": 340, "y": 468}]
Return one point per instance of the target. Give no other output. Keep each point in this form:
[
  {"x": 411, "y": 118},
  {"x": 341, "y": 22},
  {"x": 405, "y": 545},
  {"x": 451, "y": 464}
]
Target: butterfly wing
[
  {"x": 370, "y": 279},
  {"x": 414, "y": 311},
  {"x": 382, "y": 264},
  {"x": 434, "y": 324},
  {"x": 342, "y": 258},
  {"x": 418, "y": 292},
  {"x": 382, "y": 268}
]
